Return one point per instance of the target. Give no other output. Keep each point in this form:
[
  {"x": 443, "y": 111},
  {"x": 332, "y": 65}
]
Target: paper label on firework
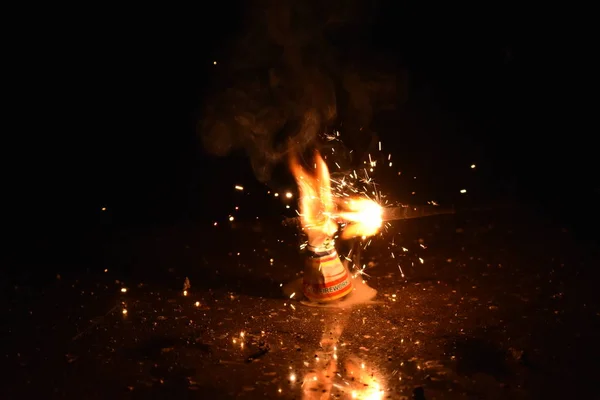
[{"x": 325, "y": 277}]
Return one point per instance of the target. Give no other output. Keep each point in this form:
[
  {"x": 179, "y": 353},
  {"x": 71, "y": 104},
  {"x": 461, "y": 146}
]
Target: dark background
[{"x": 105, "y": 103}]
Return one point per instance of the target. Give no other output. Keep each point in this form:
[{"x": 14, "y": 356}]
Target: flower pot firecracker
[{"x": 326, "y": 279}]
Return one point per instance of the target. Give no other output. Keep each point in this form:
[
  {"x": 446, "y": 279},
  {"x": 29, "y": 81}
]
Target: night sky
[{"x": 107, "y": 103}]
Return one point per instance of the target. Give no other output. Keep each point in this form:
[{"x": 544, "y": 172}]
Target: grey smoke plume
[{"x": 292, "y": 73}]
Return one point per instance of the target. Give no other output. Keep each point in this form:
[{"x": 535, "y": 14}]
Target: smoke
[{"x": 291, "y": 74}]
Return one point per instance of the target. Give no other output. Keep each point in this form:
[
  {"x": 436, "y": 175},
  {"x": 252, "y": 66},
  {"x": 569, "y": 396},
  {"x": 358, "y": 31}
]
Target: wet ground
[{"x": 493, "y": 304}]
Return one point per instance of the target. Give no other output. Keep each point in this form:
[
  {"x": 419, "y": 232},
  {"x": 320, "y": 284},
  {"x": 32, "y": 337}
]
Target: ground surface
[{"x": 503, "y": 305}]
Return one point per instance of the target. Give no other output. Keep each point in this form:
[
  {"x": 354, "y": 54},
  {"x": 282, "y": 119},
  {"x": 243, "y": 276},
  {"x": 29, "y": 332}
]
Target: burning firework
[{"x": 326, "y": 278}]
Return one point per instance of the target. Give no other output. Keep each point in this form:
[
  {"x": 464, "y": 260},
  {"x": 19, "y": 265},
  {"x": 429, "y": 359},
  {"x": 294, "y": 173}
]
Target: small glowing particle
[
  {"x": 279, "y": 390},
  {"x": 123, "y": 290},
  {"x": 271, "y": 261},
  {"x": 289, "y": 195},
  {"x": 390, "y": 163},
  {"x": 242, "y": 334},
  {"x": 215, "y": 224},
  {"x": 292, "y": 377},
  {"x": 214, "y": 63},
  {"x": 105, "y": 269},
  {"x": 463, "y": 190},
  {"x": 420, "y": 259},
  {"x": 124, "y": 311},
  {"x": 238, "y": 187},
  {"x": 234, "y": 341},
  {"x": 292, "y": 295},
  {"x": 237, "y": 208},
  {"x": 185, "y": 292},
  {"x": 288, "y": 206},
  {"x": 197, "y": 304},
  {"x": 362, "y": 365},
  {"x": 231, "y": 218},
  {"x": 472, "y": 166},
  {"x": 103, "y": 208},
  {"x": 276, "y": 195}
]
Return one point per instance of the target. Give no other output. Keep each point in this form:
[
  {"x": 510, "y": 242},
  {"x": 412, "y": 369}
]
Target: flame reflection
[{"x": 355, "y": 380}]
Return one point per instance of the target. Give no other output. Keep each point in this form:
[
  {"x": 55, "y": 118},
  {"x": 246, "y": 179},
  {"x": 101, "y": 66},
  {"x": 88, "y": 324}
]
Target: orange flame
[
  {"x": 316, "y": 200},
  {"x": 318, "y": 212}
]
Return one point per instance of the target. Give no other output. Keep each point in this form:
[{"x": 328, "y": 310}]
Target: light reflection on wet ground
[{"x": 502, "y": 307}]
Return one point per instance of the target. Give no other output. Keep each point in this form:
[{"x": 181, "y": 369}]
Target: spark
[
  {"x": 231, "y": 218},
  {"x": 276, "y": 195},
  {"x": 185, "y": 292},
  {"x": 197, "y": 304},
  {"x": 292, "y": 295},
  {"x": 288, "y": 195},
  {"x": 292, "y": 377},
  {"x": 214, "y": 63},
  {"x": 463, "y": 191},
  {"x": 238, "y": 187},
  {"x": 472, "y": 166},
  {"x": 103, "y": 209},
  {"x": 123, "y": 290},
  {"x": 242, "y": 334},
  {"x": 401, "y": 272},
  {"x": 124, "y": 311},
  {"x": 420, "y": 259}
]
